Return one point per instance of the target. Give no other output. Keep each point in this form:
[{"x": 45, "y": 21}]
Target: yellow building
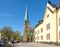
[{"x": 48, "y": 29}]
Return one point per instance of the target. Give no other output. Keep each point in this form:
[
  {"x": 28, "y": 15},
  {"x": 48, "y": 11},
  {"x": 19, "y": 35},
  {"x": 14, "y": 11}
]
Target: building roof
[
  {"x": 57, "y": 5},
  {"x": 26, "y": 15},
  {"x": 54, "y": 6}
]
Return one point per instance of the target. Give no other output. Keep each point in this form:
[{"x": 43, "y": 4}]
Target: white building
[{"x": 48, "y": 29}]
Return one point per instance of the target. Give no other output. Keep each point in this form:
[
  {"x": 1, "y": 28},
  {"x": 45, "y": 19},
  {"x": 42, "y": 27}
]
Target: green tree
[
  {"x": 21, "y": 39},
  {"x": 16, "y": 36},
  {"x": 7, "y": 32}
]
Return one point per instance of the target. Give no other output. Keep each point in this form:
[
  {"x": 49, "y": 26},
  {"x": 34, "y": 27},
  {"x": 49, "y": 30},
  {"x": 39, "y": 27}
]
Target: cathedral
[{"x": 27, "y": 37}]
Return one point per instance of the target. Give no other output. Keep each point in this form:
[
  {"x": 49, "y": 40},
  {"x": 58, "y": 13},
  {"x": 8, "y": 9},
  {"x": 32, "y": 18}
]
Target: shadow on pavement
[{"x": 6, "y": 45}]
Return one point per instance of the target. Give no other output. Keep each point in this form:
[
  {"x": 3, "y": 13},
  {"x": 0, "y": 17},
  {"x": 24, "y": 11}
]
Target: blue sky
[{"x": 12, "y": 12}]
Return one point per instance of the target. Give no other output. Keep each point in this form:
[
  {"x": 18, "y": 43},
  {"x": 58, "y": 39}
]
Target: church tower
[{"x": 26, "y": 27}]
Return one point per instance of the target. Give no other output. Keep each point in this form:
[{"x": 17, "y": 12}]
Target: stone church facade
[{"x": 28, "y": 33}]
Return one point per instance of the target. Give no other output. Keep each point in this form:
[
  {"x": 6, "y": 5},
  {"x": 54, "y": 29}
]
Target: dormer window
[{"x": 47, "y": 15}]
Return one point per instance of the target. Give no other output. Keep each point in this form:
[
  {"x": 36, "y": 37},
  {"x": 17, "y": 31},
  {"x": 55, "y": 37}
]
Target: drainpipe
[{"x": 56, "y": 25}]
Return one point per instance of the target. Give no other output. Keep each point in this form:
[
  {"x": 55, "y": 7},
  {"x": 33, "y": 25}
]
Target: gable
[
  {"x": 49, "y": 10},
  {"x": 51, "y": 7}
]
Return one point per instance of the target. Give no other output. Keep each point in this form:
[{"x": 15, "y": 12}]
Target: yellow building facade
[{"x": 48, "y": 29}]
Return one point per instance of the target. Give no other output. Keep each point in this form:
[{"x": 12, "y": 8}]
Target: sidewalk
[{"x": 34, "y": 45}]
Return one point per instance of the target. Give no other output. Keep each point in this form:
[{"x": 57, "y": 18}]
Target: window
[
  {"x": 59, "y": 21},
  {"x": 41, "y": 29},
  {"x": 48, "y": 26},
  {"x": 38, "y": 38},
  {"x": 26, "y": 26},
  {"x": 59, "y": 35},
  {"x": 38, "y": 31},
  {"x": 48, "y": 36},
  {"x": 47, "y": 15},
  {"x": 41, "y": 37}
]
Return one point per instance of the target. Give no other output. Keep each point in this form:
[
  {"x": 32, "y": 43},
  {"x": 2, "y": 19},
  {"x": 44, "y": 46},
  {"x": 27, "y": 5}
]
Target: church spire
[{"x": 26, "y": 15}]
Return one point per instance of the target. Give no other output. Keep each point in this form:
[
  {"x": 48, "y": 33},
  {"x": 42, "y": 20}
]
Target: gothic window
[{"x": 26, "y": 26}]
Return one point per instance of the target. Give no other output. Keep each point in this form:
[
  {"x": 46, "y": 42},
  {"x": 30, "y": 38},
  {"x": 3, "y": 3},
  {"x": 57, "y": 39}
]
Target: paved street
[{"x": 34, "y": 45}]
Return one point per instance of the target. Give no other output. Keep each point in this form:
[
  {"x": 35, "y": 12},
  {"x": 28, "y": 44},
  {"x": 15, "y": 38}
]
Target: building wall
[
  {"x": 58, "y": 24},
  {"x": 52, "y": 31},
  {"x": 36, "y": 34}
]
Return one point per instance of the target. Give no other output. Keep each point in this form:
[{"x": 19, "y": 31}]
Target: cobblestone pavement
[{"x": 34, "y": 45}]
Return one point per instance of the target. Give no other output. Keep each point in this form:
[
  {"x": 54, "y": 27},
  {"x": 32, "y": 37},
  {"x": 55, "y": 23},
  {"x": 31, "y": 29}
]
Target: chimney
[{"x": 49, "y": 1}]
